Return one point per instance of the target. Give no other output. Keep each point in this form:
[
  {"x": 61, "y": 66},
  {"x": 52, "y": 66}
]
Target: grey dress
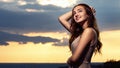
[{"x": 85, "y": 58}]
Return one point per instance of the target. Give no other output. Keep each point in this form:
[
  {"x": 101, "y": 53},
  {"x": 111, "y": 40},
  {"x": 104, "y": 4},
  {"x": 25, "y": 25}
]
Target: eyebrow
[{"x": 77, "y": 9}]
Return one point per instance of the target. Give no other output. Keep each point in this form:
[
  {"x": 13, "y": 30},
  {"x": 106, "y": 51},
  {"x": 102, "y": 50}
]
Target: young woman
[{"x": 84, "y": 38}]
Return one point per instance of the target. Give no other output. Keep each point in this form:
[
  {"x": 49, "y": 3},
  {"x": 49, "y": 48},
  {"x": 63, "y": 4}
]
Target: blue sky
[{"x": 25, "y": 16}]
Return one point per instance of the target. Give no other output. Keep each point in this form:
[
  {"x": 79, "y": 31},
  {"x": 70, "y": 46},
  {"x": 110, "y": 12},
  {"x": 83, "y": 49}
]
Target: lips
[{"x": 78, "y": 18}]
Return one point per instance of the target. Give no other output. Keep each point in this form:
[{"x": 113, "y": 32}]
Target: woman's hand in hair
[{"x": 93, "y": 10}]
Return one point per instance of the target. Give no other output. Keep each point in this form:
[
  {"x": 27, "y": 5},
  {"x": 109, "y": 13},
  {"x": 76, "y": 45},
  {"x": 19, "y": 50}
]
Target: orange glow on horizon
[{"x": 38, "y": 53}]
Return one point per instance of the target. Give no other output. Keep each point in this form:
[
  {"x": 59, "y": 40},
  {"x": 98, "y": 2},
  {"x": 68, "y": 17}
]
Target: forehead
[{"x": 78, "y": 7}]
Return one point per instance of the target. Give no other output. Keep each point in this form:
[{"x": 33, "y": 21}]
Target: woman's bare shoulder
[{"x": 89, "y": 30}]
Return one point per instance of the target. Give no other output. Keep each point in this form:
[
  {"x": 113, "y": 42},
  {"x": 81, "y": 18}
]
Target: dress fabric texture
[{"x": 85, "y": 58}]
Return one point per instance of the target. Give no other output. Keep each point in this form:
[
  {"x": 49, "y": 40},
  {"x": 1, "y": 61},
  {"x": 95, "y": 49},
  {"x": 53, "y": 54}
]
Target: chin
[{"x": 78, "y": 22}]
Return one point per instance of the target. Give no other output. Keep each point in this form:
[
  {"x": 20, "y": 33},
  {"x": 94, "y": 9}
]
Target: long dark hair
[{"x": 77, "y": 29}]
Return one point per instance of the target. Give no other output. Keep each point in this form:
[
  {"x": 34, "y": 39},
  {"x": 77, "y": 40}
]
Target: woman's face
[{"x": 79, "y": 14}]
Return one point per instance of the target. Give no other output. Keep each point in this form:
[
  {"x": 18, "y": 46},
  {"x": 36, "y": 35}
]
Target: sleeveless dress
[{"x": 85, "y": 58}]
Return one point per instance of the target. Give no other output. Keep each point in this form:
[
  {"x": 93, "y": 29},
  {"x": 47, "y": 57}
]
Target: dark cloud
[
  {"x": 62, "y": 43},
  {"x": 28, "y": 22},
  {"x": 7, "y": 37}
]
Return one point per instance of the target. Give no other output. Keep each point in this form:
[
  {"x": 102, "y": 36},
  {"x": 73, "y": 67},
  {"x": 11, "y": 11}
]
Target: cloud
[
  {"x": 28, "y": 22},
  {"x": 23, "y": 39},
  {"x": 7, "y": 37},
  {"x": 62, "y": 36},
  {"x": 33, "y": 10},
  {"x": 22, "y": 2},
  {"x": 63, "y": 42},
  {"x": 59, "y": 3},
  {"x": 7, "y": 1},
  {"x": 15, "y": 5}
]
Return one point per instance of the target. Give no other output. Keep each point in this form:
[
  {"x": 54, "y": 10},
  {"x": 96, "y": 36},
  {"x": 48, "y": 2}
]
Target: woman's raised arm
[{"x": 64, "y": 20}]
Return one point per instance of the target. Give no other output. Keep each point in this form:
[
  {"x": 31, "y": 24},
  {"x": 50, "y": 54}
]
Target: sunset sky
[{"x": 30, "y": 31}]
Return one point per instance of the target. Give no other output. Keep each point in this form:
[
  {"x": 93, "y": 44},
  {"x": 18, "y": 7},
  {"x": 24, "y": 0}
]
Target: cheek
[
  {"x": 74, "y": 17},
  {"x": 85, "y": 16}
]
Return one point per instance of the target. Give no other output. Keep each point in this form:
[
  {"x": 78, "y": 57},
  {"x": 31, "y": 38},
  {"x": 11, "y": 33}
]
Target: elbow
[
  {"x": 73, "y": 59},
  {"x": 60, "y": 18}
]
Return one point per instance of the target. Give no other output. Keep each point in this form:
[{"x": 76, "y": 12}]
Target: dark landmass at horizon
[{"x": 107, "y": 64}]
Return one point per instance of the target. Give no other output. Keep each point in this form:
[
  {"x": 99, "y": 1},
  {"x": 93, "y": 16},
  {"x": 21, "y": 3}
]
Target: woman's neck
[{"x": 85, "y": 25}]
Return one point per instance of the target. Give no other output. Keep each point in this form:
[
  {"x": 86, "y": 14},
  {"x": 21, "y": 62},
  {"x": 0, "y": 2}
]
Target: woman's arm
[
  {"x": 63, "y": 19},
  {"x": 86, "y": 37}
]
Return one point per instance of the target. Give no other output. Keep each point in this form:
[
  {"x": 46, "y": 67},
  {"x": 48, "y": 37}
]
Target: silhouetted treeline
[{"x": 112, "y": 64}]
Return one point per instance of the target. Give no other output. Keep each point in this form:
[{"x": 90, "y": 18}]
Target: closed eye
[{"x": 79, "y": 10}]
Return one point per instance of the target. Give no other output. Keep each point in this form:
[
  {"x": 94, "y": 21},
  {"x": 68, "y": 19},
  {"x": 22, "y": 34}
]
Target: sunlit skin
[{"x": 80, "y": 15}]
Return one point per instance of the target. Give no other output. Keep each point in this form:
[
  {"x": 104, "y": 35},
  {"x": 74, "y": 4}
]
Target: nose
[{"x": 76, "y": 15}]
